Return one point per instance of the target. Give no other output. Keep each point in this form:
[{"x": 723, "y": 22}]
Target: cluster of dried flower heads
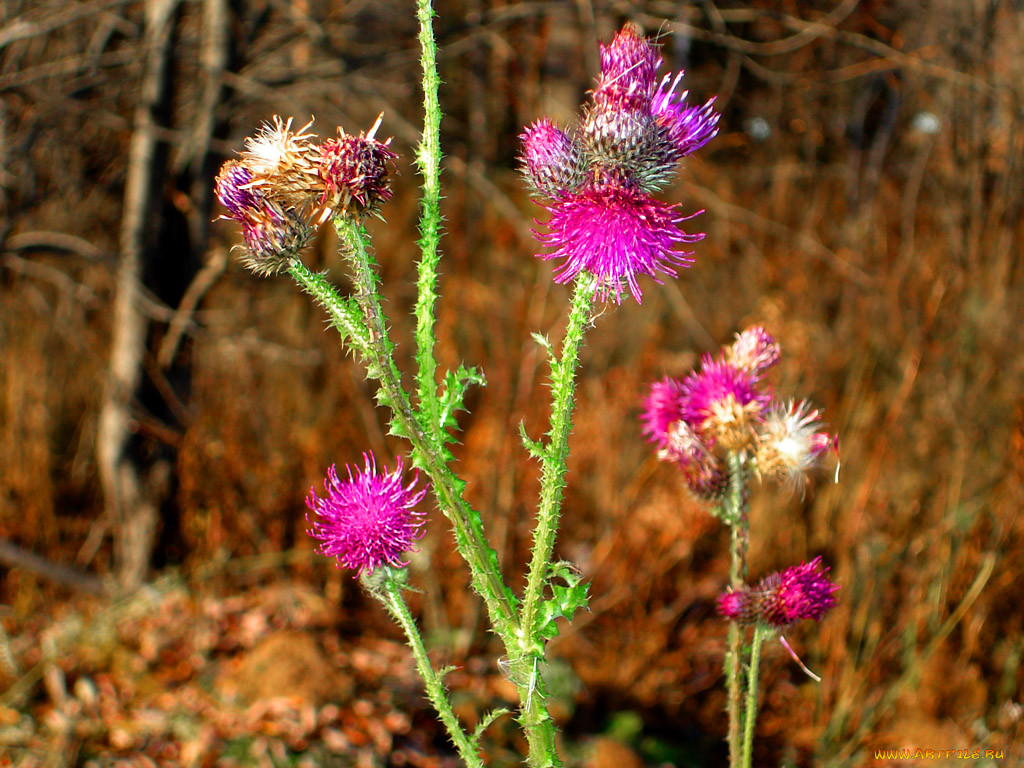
[
  {"x": 725, "y": 407},
  {"x": 600, "y": 179},
  {"x": 284, "y": 185}
]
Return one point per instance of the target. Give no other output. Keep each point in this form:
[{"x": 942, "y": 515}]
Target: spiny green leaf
[
  {"x": 450, "y": 398},
  {"x": 566, "y": 598},
  {"x": 485, "y": 723},
  {"x": 535, "y": 448}
]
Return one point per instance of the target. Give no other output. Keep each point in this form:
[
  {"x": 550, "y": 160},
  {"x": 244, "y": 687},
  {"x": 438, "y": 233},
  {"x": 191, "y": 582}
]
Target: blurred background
[{"x": 163, "y": 412}]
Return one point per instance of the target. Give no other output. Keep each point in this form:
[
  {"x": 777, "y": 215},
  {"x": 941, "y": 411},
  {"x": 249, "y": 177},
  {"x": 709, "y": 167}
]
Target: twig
[{"x": 13, "y": 556}]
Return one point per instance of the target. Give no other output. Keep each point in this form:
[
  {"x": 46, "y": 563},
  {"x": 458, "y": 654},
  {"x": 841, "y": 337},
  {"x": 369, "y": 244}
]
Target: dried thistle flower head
[
  {"x": 791, "y": 441},
  {"x": 353, "y": 171},
  {"x": 781, "y": 599},
  {"x": 284, "y": 163}
]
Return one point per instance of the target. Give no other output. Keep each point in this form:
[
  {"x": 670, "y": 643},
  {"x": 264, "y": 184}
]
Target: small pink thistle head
[
  {"x": 550, "y": 160},
  {"x": 783, "y": 598},
  {"x": 791, "y": 441},
  {"x": 678, "y": 130},
  {"x": 354, "y": 173},
  {"x": 662, "y": 408},
  {"x": 663, "y": 424},
  {"x": 754, "y": 351},
  {"x": 369, "y": 520},
  {"x": 724, "y": 403}
]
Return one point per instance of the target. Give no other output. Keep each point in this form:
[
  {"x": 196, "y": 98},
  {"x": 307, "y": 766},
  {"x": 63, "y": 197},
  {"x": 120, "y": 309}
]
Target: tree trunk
[{"x": 131, "y": 498}]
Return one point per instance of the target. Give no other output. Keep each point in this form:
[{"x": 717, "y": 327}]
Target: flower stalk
[
  {"x": 751, "y": 708},
  {"x": 734, "y": 511},
  {"x": 391, "y": 596},
  {"x": 428, "y": 160}
]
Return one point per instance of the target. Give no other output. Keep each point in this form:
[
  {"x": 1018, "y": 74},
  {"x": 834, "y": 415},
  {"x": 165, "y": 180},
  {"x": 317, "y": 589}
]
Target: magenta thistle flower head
[
  {"x": 354, "y": 171},
  {"x": 662, "y": 408},
  {"x": 632, "y": 135},
  {"x": 615, "y": 232},
  {"x": 550, "y": 159},
  {"x": 781, "y": 599},
  {"x": 724, "y": 403},
  {"x": 754, "y": 351},
  {"x": 370, "y": 519}
]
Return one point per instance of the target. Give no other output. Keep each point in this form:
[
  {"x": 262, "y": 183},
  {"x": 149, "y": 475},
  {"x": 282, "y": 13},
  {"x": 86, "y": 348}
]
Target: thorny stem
[
  {"x": 751, "y": 713},
  {"x": 391, "y": 596},
  {"x": 735, "y": 513},
  {"x": 535, "y": 719},
  {"x": 428, "y": 160},
  {"x": 375, "y": 347}
]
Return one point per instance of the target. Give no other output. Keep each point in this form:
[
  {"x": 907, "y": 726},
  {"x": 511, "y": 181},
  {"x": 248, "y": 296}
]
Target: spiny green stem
[
  {"x": 734, "y": 507},
  {"x": 563, "y": 387},
  {"x": 469, "y": 536},
  {"x": 536, "y": 721},
  {"x": 392, "y": 598},
  {"x": 428, "y": 160},
  {"x": 751, "y": 713}
]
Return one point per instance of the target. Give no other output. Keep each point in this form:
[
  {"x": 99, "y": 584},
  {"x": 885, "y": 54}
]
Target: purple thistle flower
[
  {"x": 663, "y": 407},
  {"x": 615, "y": 232},
  {"x": 370, "y": 519},
  {"x": 663, "y": 424},
  {"x": 604, "y": 220},
  {"x": 550, "y": 159},
  {"x": 782, "y": 599},
  {"x": 678, "y": 130},
  {"x": 723, "y": 402},
  {"x": 687, "y": 128}
]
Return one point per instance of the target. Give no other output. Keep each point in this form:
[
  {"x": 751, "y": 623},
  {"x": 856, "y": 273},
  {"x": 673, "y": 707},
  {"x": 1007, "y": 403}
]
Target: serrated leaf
[
  {"x": 566, "y": 598},
  {"x": 533, "y": 447},
  {"x": 488, "y": 719},
  {"x": 452, "y": 393}
]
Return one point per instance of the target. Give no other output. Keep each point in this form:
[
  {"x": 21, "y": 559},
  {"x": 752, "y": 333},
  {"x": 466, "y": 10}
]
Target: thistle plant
[
  {"x": 722, "y": 427},
  {"x": 598, "y": 183}
]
